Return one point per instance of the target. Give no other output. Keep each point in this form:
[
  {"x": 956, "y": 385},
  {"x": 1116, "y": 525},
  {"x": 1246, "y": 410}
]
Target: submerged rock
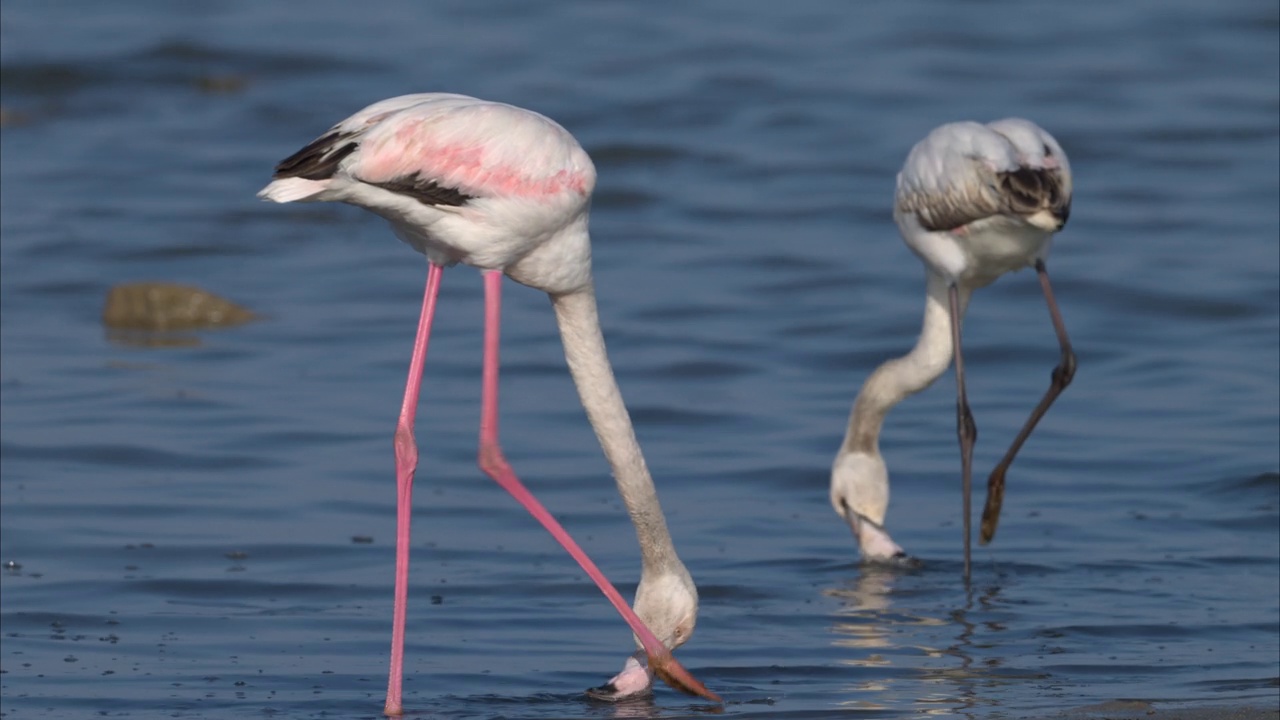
[
  {"x": 160, "y": 307},
  {"x": 13, "y": 118}
]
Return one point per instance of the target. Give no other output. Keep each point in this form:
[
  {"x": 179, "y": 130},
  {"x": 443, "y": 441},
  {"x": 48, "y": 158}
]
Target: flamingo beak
[
  {"x": 875, "y": 543},
  {"x": 673, "y": 673},
  {"x": 1050, "y": 220}
]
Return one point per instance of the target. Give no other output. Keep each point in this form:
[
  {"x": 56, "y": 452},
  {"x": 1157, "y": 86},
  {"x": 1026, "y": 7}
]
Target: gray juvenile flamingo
[{"x": 973, "y": 202}]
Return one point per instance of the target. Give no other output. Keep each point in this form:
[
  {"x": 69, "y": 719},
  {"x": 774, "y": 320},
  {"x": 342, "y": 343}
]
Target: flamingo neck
[
  {"x": 588, "y": 361},
  {"x": 901, "y": 377}
]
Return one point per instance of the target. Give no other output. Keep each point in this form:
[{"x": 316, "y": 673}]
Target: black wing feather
[
  {"x": 426, "y": 190},
  {"x": 1030, "y": 190},
  {"x": 318, "y": 160}
]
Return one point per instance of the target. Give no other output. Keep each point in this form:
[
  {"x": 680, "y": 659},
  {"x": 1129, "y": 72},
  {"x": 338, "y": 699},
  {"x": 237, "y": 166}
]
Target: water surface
[{"x": 207, "y": 530}]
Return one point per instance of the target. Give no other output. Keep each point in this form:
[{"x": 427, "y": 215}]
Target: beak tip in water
[{"x": 675, "y": 675}]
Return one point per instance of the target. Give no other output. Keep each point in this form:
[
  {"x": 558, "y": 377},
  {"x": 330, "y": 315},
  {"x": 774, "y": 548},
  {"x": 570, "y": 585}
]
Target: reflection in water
[
  {"x": 871, "y": 621},
  {"x": 633, "y": 707},
  {"x": 145, "y": 339},
  {"x": 866, "y": 626},
  {"x": 643, "y": 707},
  {"x": 869, "y": 616}
]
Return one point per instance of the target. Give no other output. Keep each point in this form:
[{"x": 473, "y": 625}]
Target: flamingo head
[
  {"x": 860, "y": 495},
  {"x": 667, "y": 602}
]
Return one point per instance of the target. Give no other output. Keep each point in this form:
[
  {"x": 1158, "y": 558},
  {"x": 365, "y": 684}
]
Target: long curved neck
[
  {"x": 900, "y": 377},
  {"x": 589, "y": 365}
]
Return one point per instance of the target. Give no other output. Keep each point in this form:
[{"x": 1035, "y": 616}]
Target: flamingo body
[
  {"x": 977, "y": 201},
  {"x": 507, "y": 191},
  {"x": 460, "y": 180}
]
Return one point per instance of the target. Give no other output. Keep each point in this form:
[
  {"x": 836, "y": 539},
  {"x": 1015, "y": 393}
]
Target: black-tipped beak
[{"x": 1062, "y": 214}]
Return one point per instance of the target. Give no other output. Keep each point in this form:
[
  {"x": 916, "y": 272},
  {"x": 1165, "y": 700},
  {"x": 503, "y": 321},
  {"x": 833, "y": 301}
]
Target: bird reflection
[
  {"x": 633, "y": 707},
  {"x": 891, "y": 639},
  {"x": 642, "y": 706},
  {"x": 868, "y": 617}
]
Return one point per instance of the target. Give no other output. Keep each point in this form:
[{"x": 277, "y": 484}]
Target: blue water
[{"x": 187, "y": 528}]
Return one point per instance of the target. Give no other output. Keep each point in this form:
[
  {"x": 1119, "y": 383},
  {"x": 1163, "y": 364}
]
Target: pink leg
[
  {"x": 406, "y": 463},
  {"x": 495, "y": 465}
]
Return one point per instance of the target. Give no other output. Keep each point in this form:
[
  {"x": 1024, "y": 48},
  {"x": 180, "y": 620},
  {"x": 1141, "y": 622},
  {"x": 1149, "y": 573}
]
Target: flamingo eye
[{"x": 1048, "y": 152}]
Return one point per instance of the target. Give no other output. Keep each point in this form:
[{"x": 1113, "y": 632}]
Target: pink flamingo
[{"x": 506, "y": 191}]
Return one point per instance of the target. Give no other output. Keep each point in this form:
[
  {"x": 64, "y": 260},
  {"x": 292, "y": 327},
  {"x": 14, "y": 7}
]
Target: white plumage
[{"x": 507, "y": 191}]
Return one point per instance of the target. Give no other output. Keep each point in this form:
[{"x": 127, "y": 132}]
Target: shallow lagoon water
[{"x": 207, "y": 529}]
